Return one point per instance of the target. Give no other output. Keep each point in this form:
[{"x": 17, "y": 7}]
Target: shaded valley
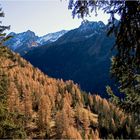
[{"x": 82, "y": 55}]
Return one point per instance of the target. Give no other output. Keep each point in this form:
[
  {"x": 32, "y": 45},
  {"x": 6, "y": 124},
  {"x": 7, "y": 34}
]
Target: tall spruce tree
[{"x": 126, "y": 62}]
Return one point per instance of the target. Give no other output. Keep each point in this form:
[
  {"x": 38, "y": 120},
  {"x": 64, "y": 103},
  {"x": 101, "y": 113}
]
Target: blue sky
[{"x": 41, "y": 16}]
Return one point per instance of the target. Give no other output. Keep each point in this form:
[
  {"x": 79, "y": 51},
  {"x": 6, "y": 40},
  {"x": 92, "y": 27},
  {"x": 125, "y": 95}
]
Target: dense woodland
[{"x": 36, "y": 106}]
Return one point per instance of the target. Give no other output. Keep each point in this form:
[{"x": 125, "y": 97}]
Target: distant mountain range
[
  {"x": 82, "y": 54},
  {"x": 26, "y": 41}
]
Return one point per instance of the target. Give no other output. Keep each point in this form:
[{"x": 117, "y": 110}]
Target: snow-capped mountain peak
[{"x": 51, "y": 37}]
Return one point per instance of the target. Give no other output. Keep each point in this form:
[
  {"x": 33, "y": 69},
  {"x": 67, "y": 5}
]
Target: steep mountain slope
[
  {"x": 23, "y": 42},
  {"x": 82, "y": 54},
  {"x": 33, "y": 105}
]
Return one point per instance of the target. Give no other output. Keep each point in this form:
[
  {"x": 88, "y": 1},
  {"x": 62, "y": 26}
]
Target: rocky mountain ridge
[{"x": 26, "y": 41}]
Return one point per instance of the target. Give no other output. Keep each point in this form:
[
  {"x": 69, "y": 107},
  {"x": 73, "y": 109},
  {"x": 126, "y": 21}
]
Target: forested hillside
[{"x": 33, "y": 105}]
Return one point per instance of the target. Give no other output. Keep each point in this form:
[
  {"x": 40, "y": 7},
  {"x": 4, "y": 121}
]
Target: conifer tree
[
  {"x": 126, "y": 62},
  {"x": 3, "y": 37}
]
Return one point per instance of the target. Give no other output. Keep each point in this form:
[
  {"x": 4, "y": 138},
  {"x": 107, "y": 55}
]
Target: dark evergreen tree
[
  {"x": 126, "y": 62},
  {"x": 3, "y": 36},
  {"x": 9, "y": 126}
]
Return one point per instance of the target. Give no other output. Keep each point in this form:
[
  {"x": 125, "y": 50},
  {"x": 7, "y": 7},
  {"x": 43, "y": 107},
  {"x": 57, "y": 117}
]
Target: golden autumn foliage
[{"x": 53, "y": 108}]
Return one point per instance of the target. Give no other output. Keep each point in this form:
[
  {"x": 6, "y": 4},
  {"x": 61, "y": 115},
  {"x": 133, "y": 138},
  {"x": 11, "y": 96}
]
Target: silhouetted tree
[
  {"x": 3, "y": 37},
  {"x": 126, "y": 62}
]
